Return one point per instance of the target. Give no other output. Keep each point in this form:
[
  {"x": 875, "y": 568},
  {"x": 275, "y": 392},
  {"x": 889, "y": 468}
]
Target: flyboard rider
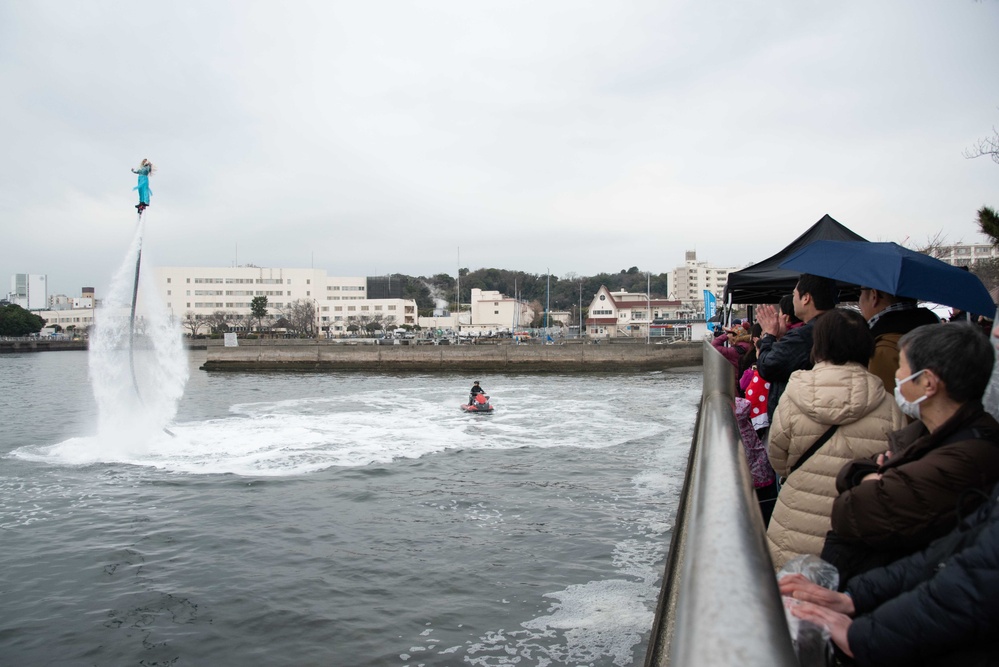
[{"x": 144, "y": 170}]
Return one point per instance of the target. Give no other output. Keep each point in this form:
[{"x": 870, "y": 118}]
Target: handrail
[{"x": 719, "y": 603}]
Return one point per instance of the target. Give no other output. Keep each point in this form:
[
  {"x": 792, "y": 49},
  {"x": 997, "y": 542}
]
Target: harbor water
[{"x": 336, "y": 519}]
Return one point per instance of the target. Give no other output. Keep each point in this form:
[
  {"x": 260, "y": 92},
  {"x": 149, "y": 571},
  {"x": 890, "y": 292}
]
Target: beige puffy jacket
[{"x": 814, "y": 400}]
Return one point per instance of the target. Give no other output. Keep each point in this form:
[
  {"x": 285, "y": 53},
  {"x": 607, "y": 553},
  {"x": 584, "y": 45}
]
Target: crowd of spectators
[{"x": 884, "y": 463}]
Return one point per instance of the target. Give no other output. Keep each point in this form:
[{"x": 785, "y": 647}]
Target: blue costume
[{"x": 143, "y": 186}]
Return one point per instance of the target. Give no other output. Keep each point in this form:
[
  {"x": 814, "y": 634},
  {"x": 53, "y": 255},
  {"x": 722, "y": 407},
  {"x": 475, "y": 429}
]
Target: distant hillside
[{"x": 530, "y": 287}]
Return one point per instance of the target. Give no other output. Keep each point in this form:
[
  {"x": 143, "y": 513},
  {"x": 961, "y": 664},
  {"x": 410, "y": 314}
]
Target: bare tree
[
  {"x": 934, "y": 246},
  {"x": 987, "y": 271},
  {"x": 220, "y": 320},
  {"x": 987, "y": 146},
  {"x": 192, "y": 323},
  {"x": 301, "y": 316}
]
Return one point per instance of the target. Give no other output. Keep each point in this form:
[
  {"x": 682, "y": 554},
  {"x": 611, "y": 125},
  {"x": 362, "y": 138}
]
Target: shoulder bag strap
[{"x": 814, "y": 448}]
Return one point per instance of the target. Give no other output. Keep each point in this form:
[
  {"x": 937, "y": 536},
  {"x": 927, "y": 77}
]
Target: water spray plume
[{"x": 138, "y": 366}]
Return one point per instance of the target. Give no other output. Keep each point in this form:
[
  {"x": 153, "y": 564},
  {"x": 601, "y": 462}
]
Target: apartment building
[
  {"x": 965, "y": 254},
  {"x": 690, "y": 280},
  {"x": 29, "y": 291}
]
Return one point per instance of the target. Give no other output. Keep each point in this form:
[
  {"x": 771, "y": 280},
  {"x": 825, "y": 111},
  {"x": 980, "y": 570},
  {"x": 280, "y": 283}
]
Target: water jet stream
[{"x": 156, "y": 366}]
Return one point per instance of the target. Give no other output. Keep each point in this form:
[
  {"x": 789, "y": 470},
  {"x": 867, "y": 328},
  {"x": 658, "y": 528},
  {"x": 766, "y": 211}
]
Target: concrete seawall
[
  {"x": 321, "y": 356},
  {"x": 19, "y": 345}
]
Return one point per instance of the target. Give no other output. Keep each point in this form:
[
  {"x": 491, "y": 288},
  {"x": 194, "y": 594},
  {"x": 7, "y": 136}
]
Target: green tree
[
  {"x": 16, "y": 321},
  {"x": 988, "y": 222},
  {"x": 258, "y": 308}
]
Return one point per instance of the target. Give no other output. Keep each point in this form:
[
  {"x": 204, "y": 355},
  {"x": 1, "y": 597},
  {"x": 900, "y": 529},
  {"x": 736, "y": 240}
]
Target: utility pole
[
  {"x": 548, "y": 300},
  {"x": 457, "y": 298}
]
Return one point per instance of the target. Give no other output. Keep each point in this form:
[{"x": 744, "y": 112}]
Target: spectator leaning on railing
[
  {"x": 939, "y": 606},
  {"x": 918, "y": 490}
]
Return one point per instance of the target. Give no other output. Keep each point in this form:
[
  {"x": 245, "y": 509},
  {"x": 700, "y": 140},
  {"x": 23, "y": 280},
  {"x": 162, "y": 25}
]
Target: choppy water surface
[{"x": 338, "y": 519}]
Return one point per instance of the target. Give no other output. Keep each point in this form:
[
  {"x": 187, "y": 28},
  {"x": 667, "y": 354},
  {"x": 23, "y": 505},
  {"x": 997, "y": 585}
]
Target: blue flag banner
[{"x": 710, "y": 308}]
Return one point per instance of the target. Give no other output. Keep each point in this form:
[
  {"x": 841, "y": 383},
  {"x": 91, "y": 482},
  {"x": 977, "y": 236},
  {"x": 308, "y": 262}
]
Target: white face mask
[{"x": 909, "y": 408}]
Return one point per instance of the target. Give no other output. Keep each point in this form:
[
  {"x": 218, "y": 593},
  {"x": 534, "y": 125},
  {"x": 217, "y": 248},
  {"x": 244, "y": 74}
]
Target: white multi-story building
[
  {"x": 965, "y": 254},
  {"x": 71, "y": 314},
  {"x": 491, "y": 310},
  {"x": 488, "y": 311},
  {"x": 29, "y": 291},
  {"x": 630, "y": 314},
  {"x": 691, "y": 279},
  {"x": 60, "y": 302},
  {"x": 77, "y": 319},
  {"x": 196, "y": 293}
]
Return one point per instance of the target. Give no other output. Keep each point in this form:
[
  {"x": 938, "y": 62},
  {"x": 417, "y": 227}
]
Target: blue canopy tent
[{"x": 890, "y": 268}]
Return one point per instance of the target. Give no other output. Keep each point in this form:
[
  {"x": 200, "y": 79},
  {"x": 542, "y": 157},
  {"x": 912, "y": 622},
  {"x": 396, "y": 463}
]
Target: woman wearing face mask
[{"x": 937, "y": 469}]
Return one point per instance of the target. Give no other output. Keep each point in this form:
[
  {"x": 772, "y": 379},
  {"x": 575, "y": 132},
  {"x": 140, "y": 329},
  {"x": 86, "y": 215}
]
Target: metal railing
[{"x": 719, "y": 603}]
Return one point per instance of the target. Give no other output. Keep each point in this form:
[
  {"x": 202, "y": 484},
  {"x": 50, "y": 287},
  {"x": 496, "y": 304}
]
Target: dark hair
[
  {"x": 840, "y": 336},
  {"x": 958, "y": 353},
  {"x": 822, "y": 290},
  {"x": 748, "y": 357},
  {"x": 787, "y": 307}
]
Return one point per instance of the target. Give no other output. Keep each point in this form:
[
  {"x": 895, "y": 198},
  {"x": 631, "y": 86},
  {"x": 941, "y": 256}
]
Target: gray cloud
[{"x": 576, "y": 136}]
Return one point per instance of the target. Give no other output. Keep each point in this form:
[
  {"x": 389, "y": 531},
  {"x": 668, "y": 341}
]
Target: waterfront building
[
  {"x": 492, "y": 311},
  {"x": 29, "y": 291},
  {"x": 489, "y": 311},
  {"x": 690, "y": 280},
  {"x": 71, "y": 320},
  {"x": 193, "y": 294},
  {"x": 628, "y": 314},
  {"x": 72, "y": 314}
]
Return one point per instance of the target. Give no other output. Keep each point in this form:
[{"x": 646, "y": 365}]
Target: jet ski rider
[{"x": 475, "y": 391}]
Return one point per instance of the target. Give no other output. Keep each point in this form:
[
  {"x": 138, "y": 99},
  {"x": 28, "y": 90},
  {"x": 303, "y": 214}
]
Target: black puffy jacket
[
  {"x": 939, "y": 606},
  {"x": 777, "y": 359}
]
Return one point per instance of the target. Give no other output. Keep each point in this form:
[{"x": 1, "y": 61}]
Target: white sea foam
[{"x": 304, "y": 435}]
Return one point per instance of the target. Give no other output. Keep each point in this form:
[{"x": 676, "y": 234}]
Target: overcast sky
[{"x": 374, "y": 137}]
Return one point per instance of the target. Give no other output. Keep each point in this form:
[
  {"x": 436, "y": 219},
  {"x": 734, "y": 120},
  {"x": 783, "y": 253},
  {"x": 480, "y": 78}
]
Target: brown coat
[
  {"x": 886, "y": 331},
  {"x": 916, "y": 499}
]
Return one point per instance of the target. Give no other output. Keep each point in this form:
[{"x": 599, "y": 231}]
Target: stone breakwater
[
  {"x": 324, "y": 357},
  {"x": 18, "y": 345}
]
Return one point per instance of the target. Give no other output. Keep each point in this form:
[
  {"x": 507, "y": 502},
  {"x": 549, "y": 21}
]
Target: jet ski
[{"x": 480, "y": 403}]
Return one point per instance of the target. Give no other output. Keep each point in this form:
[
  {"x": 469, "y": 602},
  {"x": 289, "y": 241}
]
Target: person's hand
[
  {"x": 883, "y": 458},
  {"x": 873, "y": 477},
  {"x": 836, "y": 623},
  {"x": 798, "y": 586},
  {"x": 766, "y": 315}
]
